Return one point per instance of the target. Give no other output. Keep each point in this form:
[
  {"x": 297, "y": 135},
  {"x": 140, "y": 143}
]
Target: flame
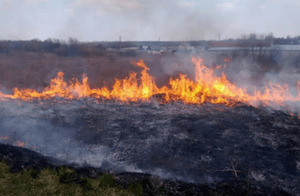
[
  {"x": 207, "y": 86},
  {"x": 129, "y": 89},
  {"x": 20, "y": 143},
  {"x": 4, "y": 138},
  {"x": 227, "y": 60}
]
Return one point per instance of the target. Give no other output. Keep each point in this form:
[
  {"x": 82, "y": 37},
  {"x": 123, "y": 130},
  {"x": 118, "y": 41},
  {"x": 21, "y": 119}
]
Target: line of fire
[{"x": 190, "y": 117}]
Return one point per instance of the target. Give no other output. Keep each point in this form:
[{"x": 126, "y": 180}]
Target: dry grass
[{"x": 30, "y": 70}]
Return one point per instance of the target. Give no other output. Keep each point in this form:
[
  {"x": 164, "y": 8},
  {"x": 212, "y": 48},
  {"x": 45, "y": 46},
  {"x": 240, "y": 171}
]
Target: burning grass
[
  {"x": 183, "y": 130},
  {"x": 207, "y": 86}
]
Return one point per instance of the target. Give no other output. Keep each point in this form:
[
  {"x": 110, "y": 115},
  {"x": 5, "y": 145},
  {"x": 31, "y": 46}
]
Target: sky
[{"x": 147, "y": 20}]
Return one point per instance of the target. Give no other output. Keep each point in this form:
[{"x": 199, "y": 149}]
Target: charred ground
[
  {"x": 208, "y": 149},
  {"x": 209, "y": 145}
]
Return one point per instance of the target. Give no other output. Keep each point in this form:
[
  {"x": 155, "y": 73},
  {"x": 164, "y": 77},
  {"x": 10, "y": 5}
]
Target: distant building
[
  {"x": 144, "y": 47},
  {"x": 238, "y": 45},
  {"x": 286, "y": 47}
]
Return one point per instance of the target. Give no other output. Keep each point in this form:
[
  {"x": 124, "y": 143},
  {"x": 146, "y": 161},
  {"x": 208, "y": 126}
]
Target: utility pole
[{"x": 219, "y": 35}]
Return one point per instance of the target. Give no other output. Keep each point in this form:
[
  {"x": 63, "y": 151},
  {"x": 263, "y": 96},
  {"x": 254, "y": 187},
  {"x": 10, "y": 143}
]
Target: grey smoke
[{"x": 93, "y": 20}]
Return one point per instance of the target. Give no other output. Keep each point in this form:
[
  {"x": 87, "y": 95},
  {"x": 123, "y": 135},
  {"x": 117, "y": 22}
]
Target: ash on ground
[{"x": 203, "y": 144}]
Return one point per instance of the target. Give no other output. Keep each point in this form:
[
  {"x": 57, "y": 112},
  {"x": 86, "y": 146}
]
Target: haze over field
[{"x": 92, "y": 20}]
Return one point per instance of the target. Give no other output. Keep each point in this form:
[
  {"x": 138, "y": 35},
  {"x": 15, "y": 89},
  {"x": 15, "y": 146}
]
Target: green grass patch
[
  {"x": 136, "y": 188},
  {"x": 62, "y": 181},
  {"x": 106, "y": 180}
]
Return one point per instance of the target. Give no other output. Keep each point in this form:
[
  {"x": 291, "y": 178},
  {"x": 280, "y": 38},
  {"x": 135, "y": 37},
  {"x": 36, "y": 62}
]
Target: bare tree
[{"x": 257, "y": 45}]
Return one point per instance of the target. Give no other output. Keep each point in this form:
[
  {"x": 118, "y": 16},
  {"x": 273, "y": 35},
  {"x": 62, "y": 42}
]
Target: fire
[
  {"x": 207, "y": 86},
  {"x": 20, "y": 143},
  {"x": 4, "y": 138},
  {"x": 227, "y": 60},
  {"x": 129, "y": 89}
]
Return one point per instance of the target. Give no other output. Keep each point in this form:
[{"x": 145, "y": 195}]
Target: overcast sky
[{"x": 106, "y": 20}]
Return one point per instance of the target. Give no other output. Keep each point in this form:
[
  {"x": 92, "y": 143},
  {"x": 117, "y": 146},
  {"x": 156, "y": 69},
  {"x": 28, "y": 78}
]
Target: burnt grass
[{"x": 169, "y": 149}]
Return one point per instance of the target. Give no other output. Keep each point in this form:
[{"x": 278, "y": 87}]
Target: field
[{"x": 146, "y": 147}]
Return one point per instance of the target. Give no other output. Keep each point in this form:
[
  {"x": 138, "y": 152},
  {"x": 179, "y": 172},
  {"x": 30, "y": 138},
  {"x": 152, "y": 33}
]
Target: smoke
[
  {"x": 177, "y": 141},
  {"x": 254, "y": 75},
  {"x": 172, "y": 65},
  {"x": 243, "y": 70},
  {"x": 142, "y": 137},
  {"x": 46, "y": 130},
  {"x": 111, "y": 136},
  {"x": 140, "y": 20},
  {"x": 147, "y": 138},
  {"x": 250, "y": 73},
  {"x": 91, "y": 20}
]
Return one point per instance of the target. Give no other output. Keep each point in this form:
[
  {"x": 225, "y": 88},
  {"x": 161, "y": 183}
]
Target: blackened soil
[
  {"x": 184, "y": 149},
  {"x": 20, "y": 158}
]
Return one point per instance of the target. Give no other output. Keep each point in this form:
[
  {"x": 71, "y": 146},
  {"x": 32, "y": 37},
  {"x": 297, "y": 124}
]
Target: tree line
[{"x": 72, "y": 47}]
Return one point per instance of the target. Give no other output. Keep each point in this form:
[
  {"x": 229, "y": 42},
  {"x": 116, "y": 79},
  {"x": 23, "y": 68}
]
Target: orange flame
[
  {"x": 207, "y": 87},
  {"x": 4, "y": 138},
  {"x": 227, "y": 60},
  {"x": 20, "y": 143}
]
